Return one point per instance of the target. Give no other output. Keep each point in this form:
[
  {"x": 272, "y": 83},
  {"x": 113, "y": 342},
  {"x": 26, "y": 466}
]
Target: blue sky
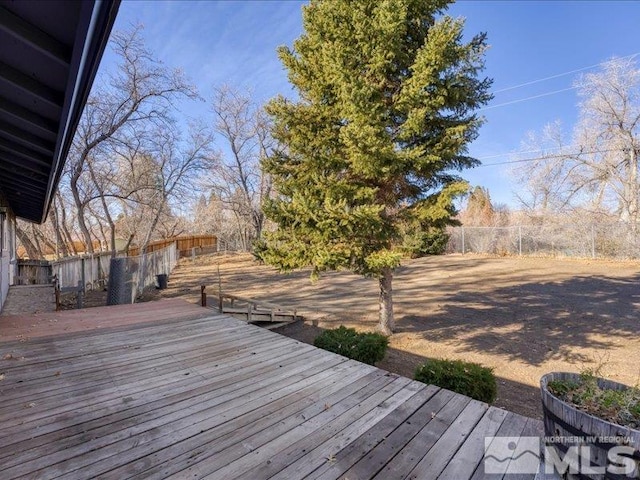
[{"x": 235, "y": 42}]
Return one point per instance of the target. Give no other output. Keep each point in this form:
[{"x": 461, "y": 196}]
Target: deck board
[
  {"x": 112, "y": 393},
  {"x": 190, "y": 401},
  {"x": 437, "y": 458},
  {"x": 401, "y": 465},
  {"x": 368, "y": 443},
  {"x": 470, "y": 454}
]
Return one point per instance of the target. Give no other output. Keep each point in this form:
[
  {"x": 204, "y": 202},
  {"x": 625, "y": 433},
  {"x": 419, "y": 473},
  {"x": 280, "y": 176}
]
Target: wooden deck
[{"x": 193, "y": 394}]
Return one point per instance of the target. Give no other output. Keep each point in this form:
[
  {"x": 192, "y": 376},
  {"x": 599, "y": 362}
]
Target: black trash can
[{"x": 162, "y": 278}]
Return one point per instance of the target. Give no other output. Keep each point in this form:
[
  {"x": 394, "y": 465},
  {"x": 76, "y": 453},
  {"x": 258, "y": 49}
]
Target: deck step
[
  {"x": 256, "y": 311},
  {"x": 262, "y": 317}
]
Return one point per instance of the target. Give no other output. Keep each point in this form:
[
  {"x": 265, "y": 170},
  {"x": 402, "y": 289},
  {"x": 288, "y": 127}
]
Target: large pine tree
[{"x": 387, "y": 93}]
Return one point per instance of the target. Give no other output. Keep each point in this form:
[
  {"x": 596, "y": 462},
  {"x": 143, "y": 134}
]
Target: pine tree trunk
[{"x": 387, "y": 323}]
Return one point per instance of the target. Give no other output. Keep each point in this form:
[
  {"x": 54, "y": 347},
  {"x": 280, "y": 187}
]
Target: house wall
[{"x": 7, "y": 249}]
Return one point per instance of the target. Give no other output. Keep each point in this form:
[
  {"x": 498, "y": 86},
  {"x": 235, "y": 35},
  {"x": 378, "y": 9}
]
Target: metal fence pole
[
  {"x": 83, "y": 277},
  {"x": 462, "y": 230},
  {"x": 80, "y": 302},
  {"x": 92, "y": 276},
  {"x": 141, "y": 277},
  {"x": 520, "y": 240}
]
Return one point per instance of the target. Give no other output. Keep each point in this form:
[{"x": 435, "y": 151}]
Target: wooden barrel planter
[{"x": 564, "y": 422}]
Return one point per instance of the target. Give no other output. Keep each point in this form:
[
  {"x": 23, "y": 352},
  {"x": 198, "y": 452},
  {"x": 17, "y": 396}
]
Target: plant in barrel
[{"x": 592, "y": 426}]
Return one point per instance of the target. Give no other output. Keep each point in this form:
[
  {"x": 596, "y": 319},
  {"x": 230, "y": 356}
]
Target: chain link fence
[
  {"x": 612, "y": 240},
  {"x": 145, "y": 268}
]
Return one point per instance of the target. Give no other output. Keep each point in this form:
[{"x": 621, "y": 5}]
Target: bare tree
[
  {"x": 597, "y": 170},
  {"x": 134, "y": 103},
  {"x": 175, "y": 168},
  {"x": 128, "y": 163},
  {"x": 211, "y": 217},
  {"x": 23, "y": 232},
  {"x": 58, "y": 229},
  {"x": 61, "y": 206},
  {"x": 238, "y": 181},
  {"x": 542, "y": 179}
]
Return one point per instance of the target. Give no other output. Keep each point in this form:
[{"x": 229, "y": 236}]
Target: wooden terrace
[{"x": 172, "y": 390}]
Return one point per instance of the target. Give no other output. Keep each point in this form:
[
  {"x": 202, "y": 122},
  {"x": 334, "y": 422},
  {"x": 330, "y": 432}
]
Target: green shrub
[
  {"x": 364, "y": 347},
  {"x": 467, "y": 378},
  {"x": 418, "y": 243}
]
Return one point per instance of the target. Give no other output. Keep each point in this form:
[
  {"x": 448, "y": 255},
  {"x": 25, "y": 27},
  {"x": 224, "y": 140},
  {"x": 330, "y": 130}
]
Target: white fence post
[{"x": 83, "y": 277}]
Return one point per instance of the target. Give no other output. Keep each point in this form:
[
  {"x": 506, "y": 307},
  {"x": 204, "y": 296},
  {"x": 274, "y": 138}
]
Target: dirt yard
[{"x": 522, "y": 316}]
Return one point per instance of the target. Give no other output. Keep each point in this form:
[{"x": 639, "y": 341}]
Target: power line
[
  {"x": 532, "y": 82},
  {"x": 546, "y": 94},
  {"x": 527, "y": 98},
  {"x": 548, "y": 157},
  {"x": 522, "y": 152}
]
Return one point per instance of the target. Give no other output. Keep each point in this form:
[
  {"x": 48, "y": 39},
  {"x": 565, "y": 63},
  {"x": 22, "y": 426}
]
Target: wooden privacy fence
[
  {"x": 92, "y": 271},
  {"x": 184, "y": 244},
  {"x": 77, "y": 274},
  {"x": 33, "y": 272}
]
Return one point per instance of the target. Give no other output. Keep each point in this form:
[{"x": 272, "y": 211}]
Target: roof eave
[{"x": 97, "y": 20}]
